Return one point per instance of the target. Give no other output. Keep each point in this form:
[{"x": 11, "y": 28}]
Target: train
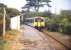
[{"x": 36, "y": 22}]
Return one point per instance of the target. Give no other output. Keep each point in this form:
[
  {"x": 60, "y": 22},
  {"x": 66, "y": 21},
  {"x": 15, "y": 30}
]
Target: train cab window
[{"x": 39, "y": 20}]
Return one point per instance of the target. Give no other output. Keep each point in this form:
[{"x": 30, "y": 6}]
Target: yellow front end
[{"x": 39, "y": 24}]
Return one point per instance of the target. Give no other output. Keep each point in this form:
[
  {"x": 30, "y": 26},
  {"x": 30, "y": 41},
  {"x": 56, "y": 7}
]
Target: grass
[{"x": 10, "y": 36}]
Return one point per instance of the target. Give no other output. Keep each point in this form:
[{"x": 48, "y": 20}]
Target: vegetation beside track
[
  {"x": 58, "y": 40},
  {"x": 5, "y": 44}
]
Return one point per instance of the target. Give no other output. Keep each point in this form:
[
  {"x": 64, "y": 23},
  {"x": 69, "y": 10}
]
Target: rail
[{"x": 57, "y": 41}]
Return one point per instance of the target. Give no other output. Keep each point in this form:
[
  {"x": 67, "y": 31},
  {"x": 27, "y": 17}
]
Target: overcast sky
[{"x": 57, "y": 5}]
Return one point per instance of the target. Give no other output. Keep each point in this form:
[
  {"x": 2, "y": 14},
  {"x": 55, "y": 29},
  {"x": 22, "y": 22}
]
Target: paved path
[{"x": 31, "y": 39}]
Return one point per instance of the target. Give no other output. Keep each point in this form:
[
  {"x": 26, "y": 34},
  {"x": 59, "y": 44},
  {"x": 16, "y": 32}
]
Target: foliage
[
  {"x": 12, "y": 12},
  {"x": 6, "y": 43},
  {"x": 62, "y": 21},
  {"x": 11, "y": 35},
  {"x": 36, "y": 4},
  {"x": 2, "y": 43},
  {"x": 43, "y": 14}
]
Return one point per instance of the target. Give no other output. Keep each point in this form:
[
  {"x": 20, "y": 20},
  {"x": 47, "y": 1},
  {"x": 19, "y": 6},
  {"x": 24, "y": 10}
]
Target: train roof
[
  {"x": 39, "y": 17},
  {"x": 35, "y": 17}
]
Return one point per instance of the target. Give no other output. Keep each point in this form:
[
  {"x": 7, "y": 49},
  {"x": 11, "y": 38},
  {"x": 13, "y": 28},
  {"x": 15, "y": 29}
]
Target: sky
[{"x": 57, "y": 5}]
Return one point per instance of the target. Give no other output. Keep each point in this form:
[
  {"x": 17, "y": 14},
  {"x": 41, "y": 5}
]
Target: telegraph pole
[
  {"x": 4, "y": 15},
  {"x": 4, "y": 22}
]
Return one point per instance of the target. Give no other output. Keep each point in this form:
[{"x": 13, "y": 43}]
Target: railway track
[
  {"x": 46, "y": 34},
  {"x": 61, "y": 43}
]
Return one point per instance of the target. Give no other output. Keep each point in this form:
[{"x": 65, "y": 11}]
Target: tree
[
  {"x": 66, "y": 14},
  {"x": 46, "y": 14},
  {"x": 9, "y": 11},
  {"x": 12, "y": 12},
  {"x": 36, "y": 4},
  {"x": 65, "y": 21}
]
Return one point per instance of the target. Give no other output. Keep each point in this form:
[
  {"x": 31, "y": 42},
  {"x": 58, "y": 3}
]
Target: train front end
[{"x": 39, "y": 23}]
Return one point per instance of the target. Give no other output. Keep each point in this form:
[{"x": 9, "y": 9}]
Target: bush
[
  {"x": 2, "y": 43},
  {"x": 67, "y": 30},
  {"x": 53, "y": 27}
]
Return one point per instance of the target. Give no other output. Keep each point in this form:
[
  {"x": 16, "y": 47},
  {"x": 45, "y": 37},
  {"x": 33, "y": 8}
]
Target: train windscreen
[{"x": 39, "y": 20}]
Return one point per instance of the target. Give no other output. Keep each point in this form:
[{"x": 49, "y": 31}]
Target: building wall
[{"x": 15, "y": 23}]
